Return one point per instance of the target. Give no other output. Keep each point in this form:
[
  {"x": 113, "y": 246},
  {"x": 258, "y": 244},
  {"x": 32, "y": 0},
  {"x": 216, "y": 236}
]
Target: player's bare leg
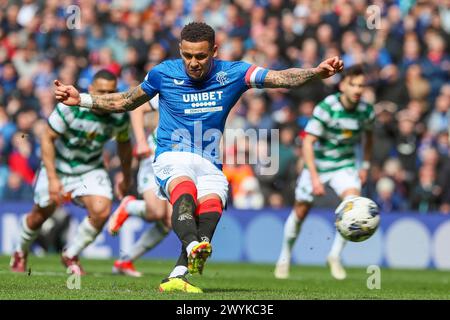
[
  {"x": 156, "y": 209},
  {"x": 150, "y": 209},
  {"x": 334, "y": 257},
  {"x": 291, "y": 231},
  {"x": 31, "y": 225},
  {"x": 98, "y": 208}
]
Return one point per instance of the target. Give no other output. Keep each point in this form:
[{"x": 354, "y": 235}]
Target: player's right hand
[
  {"x": 143, "y": 150},
  {"x": 67, "y": 94},
  {"x": 55, "y": 189},
  {"x": 318, "y": 188}
]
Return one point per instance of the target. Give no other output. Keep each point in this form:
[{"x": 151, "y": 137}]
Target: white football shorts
[
  {"x": 339, "y": 180},
  {"x": 92, "y": 183},
  {"x": 207, "y": 177}
]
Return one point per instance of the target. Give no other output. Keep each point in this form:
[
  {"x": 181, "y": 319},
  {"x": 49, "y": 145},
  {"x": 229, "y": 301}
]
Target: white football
[{"x": 357, "y": 219}]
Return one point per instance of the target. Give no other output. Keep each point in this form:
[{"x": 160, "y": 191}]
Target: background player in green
[
  {"x": 72, "y": 148},
  {"x": 332, "y": 134}
]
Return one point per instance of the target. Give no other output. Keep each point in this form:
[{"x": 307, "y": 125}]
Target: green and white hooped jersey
[
  {"x": 338, "y": 132},
  {"x": 151, "y": 139},
  {"x": 83, "y": 134}
]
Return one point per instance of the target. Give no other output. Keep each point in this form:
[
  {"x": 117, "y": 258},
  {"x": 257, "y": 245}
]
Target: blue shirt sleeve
[{"x": 152, "y": 82}]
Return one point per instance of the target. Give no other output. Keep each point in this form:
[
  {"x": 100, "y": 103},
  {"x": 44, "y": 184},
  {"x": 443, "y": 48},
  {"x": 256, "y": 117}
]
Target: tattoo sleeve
[
  {"x": 121, "y": 101},
  {"x": 289, "y": 78}
]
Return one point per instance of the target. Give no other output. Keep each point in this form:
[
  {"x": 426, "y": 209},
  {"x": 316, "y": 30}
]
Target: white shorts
[
  {"x": 340, "y": 181},
  {"x": 206, "y": 176},
  {"x": 146, "y": 176},
  {"x": 92, "y": 183}
]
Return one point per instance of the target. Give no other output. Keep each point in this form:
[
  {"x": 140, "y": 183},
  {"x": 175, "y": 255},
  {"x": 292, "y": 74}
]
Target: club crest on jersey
[
  {"x": 91, "y": 135},
  {"x": 222, "y": 77},
  {"x": 347, "y": 133}
]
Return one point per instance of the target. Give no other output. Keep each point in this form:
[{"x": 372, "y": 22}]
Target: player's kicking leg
[
  {"x": 31, "y": 225},
  {"x": 180, "y": 170},
  {"x": 183, "y": 196},
  {"x": 98, "y": 208},
  {"x": 209, "y": 212}
]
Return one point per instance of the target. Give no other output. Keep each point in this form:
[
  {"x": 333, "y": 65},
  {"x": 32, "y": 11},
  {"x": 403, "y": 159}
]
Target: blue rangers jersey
[{"x": 192, "y": 113}]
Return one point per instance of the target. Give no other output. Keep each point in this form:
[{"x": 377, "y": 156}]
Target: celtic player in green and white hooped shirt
[
  {"x": 72, "y": 156},
  {"x": 332, "y": 134}
]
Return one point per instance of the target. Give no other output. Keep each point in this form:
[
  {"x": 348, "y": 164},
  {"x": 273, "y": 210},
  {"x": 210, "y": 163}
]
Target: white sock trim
[
  {"x": 190, "y": 246},
  {"x": 136, "y": 208},
  {"x": 86, "y": 234},
  {"x": 27, "y": 236},
  {"x": 337, "y": 247},
  {"x": 178, "y": 271}
]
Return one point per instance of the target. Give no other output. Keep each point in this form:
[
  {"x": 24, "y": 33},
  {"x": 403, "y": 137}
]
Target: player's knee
[
  {"x": 154, "y": 212},
  {"x": 39, "y": 215},
  {"x": 100, "y": 209}
]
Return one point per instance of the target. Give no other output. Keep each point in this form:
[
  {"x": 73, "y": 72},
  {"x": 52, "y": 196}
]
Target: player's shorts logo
[{"x": 222, "y": 77}]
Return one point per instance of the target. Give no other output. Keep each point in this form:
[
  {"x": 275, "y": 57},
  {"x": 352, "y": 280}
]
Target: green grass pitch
[{"x": 228, "y": 281}]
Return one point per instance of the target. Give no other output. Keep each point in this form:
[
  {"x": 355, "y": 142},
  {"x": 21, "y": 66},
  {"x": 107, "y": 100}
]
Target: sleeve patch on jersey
[{"x": 255, "y": 76}]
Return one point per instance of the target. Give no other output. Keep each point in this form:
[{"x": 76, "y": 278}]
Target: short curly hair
[
  {"x": 197, "y": 32},
  {"x": 353, "y": 71}
]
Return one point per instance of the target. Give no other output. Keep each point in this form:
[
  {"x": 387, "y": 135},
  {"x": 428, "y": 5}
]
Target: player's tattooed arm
[
  {"x": 295, "y": 77},
  {"x": 289, "y": 78},
  {"x": 121, "y": 101},
  {"x": 113, "y": 102}
]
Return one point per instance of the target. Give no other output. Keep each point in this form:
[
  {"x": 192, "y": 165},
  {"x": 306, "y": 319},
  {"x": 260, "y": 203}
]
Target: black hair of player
[
  {"x": 198, "y": 32},
  {"x": 105, "y": 74},
  {"x": 353, "y": 71}
]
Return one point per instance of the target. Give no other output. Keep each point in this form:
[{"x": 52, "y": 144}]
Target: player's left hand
[
  {"x": 363, "y": 174},
  {"x": 330, "y": 67}
]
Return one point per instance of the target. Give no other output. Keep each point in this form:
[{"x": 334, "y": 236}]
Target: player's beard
[{"x": 196, "y": 74}]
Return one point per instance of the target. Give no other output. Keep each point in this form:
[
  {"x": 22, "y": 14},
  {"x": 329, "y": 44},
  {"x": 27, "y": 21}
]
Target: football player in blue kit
[{"x": 196, "y": 94}]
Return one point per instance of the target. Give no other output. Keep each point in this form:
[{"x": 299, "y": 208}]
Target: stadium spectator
[
  {"x": 425, "y": 195},
  {"x": 439, "y": 119},
  {"x": 387, "y": 198},
  {"x": 17, "y": 189}
]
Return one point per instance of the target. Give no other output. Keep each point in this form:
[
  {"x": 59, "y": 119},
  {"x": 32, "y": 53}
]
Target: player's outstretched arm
[
  {"x": 113, "y": 102},
  {"x": 295, "y": 77}
]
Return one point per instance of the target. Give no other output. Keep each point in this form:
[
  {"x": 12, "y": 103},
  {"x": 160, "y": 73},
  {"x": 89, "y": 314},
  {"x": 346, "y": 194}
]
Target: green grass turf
[{"x": 220, "y": 281}]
